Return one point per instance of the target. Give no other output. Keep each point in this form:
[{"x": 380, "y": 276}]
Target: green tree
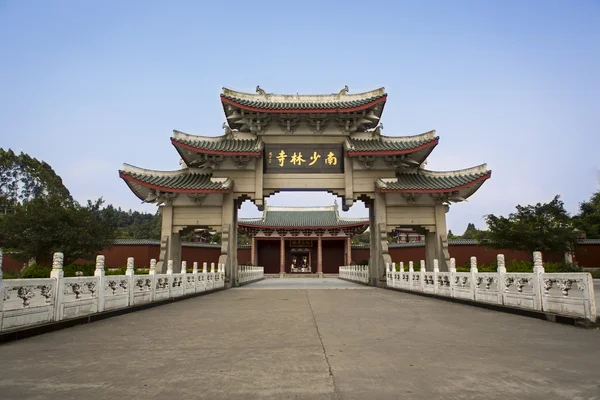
[
  {"x": 23, "y": 178},
  {"x": 542, "y": 227},
  {"x": 470, "y": 232},
  {"x": 588, "y": 219},
  {"x": 451, "y": 235},
  {"x": 45, "y": 224},
  {"x": 363, "y": 238}
]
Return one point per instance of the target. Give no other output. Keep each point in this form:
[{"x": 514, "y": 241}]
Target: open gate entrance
[{"x": 330, "y": 142}]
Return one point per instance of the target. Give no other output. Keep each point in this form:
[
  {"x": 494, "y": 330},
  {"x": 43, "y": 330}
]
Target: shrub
[
  {"x": 87, "y": 269},
  {"x": 118, "y": 271},
  {"x": 561, "y": 267},
  {"x": 595, "y": 273},
  {"x": 10, "y": 275},
  {"x": 36, "y": 271},
  {"x": 519, "y": 266}
]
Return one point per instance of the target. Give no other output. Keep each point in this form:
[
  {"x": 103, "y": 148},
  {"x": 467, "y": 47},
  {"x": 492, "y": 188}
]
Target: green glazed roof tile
[
  {"x": 383, "y": 144},
  {"x": 301, "y": 105},
  {"x": 184, "y": 181},
  {"x": 302, "y": 217},
  {"x": 226, "y": 145},
  {"x": 428, "y": 181}
]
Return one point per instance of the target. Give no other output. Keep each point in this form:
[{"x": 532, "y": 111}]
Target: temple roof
[
  {"x": 226, "y": 144},
  {"x": 190, "y": 147},
  {"x": 147, "y": 184},
  {"x": 465, "y": 181},
  {"x": 325, "y": 103},
  {"x": 368, "y": 143},
  {"x": 302, "y": 217}
]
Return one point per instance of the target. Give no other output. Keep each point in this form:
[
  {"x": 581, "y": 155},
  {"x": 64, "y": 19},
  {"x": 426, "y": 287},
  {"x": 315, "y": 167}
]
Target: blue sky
[{"x": 88, "y": 85}]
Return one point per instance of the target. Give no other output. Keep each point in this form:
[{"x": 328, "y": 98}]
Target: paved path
[
  {"x": 307, "y": 344},
  {"x": 305, "y": 283}
]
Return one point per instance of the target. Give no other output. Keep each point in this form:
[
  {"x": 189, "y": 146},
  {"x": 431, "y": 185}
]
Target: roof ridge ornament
[
  {"x": 262, "y": 92},
  {"x": 376, "y": 132},
  {"x": 229, "y": 133},
  {"x": 344, "y": 91}
]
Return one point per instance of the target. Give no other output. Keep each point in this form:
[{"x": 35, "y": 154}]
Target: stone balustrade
[
  {"x": 565, "y": 294},
  {"x": 29, "y": 302},
  {"x": 355, "y": 273},
  {"x": 248, "y": 274}
]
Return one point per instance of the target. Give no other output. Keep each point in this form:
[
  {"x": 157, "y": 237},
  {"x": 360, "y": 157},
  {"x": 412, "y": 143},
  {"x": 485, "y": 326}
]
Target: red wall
[{"x": 587, "y": 255}]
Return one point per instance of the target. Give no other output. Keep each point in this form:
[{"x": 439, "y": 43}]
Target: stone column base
[
  {"x": 282, "y": 274},
  {"x": 320, "y": 274}
]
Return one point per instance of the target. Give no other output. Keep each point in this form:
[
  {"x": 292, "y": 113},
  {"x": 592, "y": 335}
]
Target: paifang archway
[{"x": 330, "y": 142}]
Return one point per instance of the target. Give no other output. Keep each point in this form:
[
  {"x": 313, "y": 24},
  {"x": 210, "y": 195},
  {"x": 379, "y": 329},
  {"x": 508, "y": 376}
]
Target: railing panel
[
  {"x": 79, "y": 296},
  {"x": 568, "y": 294},
  {"x": 27, "y": 302}
]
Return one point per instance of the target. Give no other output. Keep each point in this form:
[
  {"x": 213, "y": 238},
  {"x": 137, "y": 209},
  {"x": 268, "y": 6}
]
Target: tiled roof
[
  {"x": 218, "y": 145},
  {"x": 455, "y": 242},
  {"x": 300, "y": 217},
  {"x": 390, "y": 145},
  {"x": 150, "y": 242},
  {"x": 317, "y": 103},
  {"x": 431, "y": 181},
  {"x": 185, "y": 181}
]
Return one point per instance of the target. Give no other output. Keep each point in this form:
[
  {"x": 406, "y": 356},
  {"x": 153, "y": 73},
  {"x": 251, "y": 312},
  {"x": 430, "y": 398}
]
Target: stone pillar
[
  {"x": 379, "y": 255},
  {"x": 373, "y": 252},
  {"x": 430, "y": 249},
  {"x": 253, "y": 251},
  {"x": 174, "y": 248},
  {"x": 282, "y": 257},
  {"x": 166, "y": 231},
  {"x": 348, "y": 251},
  {"x": 228, "y": 256},
  {"x": 441, "y": 241},
  {"x": 320, "y": 256}
]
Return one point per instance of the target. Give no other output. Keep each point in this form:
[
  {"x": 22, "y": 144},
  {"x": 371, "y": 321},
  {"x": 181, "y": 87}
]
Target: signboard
[
  {"x": 300, "y": 243},
  {"x": 304, "y": 158}
]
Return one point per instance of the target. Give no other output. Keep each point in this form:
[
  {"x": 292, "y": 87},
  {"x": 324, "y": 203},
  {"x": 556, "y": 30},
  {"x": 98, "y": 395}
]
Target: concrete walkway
[
  {"x": 304, "y": 283},
  {"x": 307, "y": 344}
]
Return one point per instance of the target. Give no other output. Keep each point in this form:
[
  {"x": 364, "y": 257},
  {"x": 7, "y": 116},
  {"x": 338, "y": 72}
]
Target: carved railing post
[
  {"x": 99, "y": 273},
  {"x": 400, "y": 281},
  {"x": 130, "y": 272},
  {"x": 436, "y": 273},
  {"x": 474, "y": 271},
  {"x": 183, "y": 276},
  {"x": 501, "y": 277},
  {"x": 411, "y": 272},
  {"x": 170, "y": 273},
  {"x": 422, "y": 270},
  {"x": 452, "y": 274},
  {"x": 195, "y": 275},
  {"x": 58, "y": 274},
  {"x": 538, "y": 284}
]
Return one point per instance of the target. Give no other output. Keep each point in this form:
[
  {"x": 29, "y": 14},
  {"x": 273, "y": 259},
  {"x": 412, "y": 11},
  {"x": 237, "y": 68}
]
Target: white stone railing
[
  {"x": 249, "y": 273},
  {"x": 29, "y": 302},
  {"x": 565, "y": 294},
  {"x": 355, "y": 273}
]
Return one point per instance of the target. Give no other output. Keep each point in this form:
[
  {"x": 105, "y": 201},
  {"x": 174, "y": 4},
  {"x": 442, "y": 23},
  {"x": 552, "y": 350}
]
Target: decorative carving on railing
[
  {"x": 538, "y": 291},
  {"x": 25, "y": 293}
]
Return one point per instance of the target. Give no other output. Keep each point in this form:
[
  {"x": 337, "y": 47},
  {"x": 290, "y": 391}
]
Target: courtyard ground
[{"x": 308, "y": 342}]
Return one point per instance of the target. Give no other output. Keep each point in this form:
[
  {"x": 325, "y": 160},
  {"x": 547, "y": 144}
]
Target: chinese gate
[{"x": 330, "y": 143}]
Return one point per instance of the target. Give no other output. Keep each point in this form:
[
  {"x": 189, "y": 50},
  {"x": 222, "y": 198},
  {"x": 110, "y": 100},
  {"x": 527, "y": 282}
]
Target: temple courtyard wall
[{"x": 587, "y": 254}]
